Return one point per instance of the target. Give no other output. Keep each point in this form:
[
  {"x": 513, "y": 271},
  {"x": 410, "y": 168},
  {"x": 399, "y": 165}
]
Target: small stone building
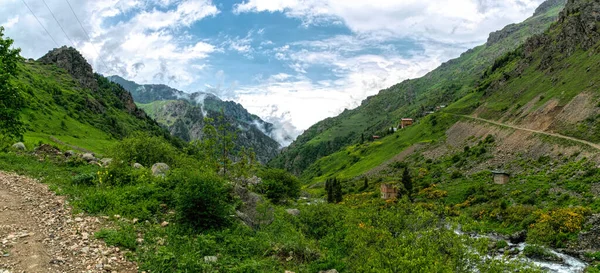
[
  {"x": 405, "y": 122},
  {"x": 501, "y": 177},
  {"x": 388, "y": 191}
]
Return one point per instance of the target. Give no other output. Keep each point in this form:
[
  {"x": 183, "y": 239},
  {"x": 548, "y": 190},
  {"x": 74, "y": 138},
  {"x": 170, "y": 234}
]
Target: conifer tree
[{"x": 338, "y": 196}]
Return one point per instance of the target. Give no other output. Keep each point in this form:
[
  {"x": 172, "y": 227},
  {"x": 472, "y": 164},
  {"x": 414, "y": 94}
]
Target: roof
[
  {"x": 407, "y": 119},
  {"x": 500, "y": 172}
]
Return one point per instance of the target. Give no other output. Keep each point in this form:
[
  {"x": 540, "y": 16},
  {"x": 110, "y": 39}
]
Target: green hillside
[
  {"x": 58, "y": 110},
  {"x": 412, "y": 98}
]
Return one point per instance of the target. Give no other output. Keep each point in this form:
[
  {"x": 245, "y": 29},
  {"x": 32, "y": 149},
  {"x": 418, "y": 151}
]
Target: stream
[{"x": 569, "y": 263}]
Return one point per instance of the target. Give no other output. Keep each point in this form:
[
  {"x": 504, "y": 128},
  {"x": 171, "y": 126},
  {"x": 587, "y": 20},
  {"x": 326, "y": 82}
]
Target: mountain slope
[
  {"x": 412, "y": 98},
  {"x": 539, "y": 100},
  {"x": 68, "y": 105},
  {"x": 183, "y": 115}
]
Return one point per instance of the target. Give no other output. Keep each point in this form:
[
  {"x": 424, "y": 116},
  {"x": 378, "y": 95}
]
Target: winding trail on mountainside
[{"x": 591, "y": 144}]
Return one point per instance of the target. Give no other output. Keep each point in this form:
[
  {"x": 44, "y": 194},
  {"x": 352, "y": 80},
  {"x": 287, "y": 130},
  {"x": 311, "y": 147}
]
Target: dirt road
[
  {"x": 591, "y": 144},
  {"x": 38, "y": 233}
]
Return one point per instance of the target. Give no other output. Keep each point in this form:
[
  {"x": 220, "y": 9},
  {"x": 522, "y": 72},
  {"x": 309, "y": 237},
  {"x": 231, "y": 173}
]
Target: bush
[
  {"x": 84, "y": 179},
  {"x": 146, "y": 150},
  {"x": 278, "y": 185},
  {"x": 456, "y": 175},
  {"x": 202, "y": 200}
]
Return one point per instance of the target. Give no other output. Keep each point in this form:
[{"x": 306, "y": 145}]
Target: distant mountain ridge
[
  {"x": 413, "y": 98},
  {"x": 183, "y": 115}
]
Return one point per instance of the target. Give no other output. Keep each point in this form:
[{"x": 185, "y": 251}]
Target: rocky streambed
[{"x": 515, "y": 248}]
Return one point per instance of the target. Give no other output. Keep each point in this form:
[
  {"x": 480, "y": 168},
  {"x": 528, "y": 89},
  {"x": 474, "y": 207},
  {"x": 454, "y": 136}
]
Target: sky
[{"x": 291, "y": 62}]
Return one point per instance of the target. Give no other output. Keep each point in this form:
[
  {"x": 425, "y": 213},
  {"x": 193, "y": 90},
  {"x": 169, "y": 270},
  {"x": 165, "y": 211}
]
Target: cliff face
[{"x": 74, "y": 63}]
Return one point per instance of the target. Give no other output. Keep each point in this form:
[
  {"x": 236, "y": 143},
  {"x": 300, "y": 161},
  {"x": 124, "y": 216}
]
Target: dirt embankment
[{"x": 38, "y": 233}]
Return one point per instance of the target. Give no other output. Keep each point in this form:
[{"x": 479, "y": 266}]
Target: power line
[
  {"x": 39, "y": 22},
  {"x": 61, "y": 28},
  {"x": 88, "y": 36}
]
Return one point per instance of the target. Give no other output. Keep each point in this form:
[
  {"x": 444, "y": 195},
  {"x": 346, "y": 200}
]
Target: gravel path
[
  {"x": 38, "y": 233},
  {"x": 585, "y": 142}
]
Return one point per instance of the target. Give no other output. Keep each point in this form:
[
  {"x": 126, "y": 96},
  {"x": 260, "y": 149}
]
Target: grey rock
[
  {"x": 106, "y": 161},
  {"x": 89, "y": 157},
  {"x": 138, "y": 166},
  {"x": 329, "y": 271},
  {"x": 518, "y": 237},
  {"x": 294, "y": 212},
  {"x": 211, "y": 259},
  {"x": 69, "y": 153},
  {"x": 160, "y": 169},
  {"x": 19, "y": 146}
]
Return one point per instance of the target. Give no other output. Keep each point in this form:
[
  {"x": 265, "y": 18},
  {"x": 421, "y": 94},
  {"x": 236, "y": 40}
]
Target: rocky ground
[{"x": 39, "y": 233}]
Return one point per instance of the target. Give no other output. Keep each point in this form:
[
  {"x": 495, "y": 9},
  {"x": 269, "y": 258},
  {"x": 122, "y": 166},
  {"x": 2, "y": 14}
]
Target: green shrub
[
  {"x": 456, "y": 175},
  {"x": 125, "y": 237},
  {"x": 146, "y": 150},
  {"x": 278, "y": 185},
  {"x": 202, "y": 200},
  {"x": 84, "y": 179},
  {"x": 501, "y": 244},
  {"x": 538, "y": 252}
]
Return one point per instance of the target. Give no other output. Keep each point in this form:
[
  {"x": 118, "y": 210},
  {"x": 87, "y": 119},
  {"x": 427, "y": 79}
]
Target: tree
[
  {"x": 337, "y": 193},
  {"x": 329, "y": 189},
  {"x": 407, "y": 182},
  {"x": 278, "y": 185},
  {"x": 11, "y": 102},
  {"x": 334, "y": 190},
  {"x": 365, "y": 184}
]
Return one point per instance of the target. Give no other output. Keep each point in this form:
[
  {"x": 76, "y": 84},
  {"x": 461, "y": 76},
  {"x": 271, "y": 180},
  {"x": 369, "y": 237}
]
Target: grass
[{"x": 358, "y": 159}]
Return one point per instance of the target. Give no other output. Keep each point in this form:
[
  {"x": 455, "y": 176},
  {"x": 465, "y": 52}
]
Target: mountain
[
  {"x": 68, "y": 105},
  {"x": 183, "y": 115},
  {"x": 412, "y": 98}
]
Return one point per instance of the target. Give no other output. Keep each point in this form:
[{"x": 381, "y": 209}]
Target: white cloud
[
  {"x": 441, "y": 20},
  {"x": 133, "y": 38},
  {"x": 11, "y": 22}
]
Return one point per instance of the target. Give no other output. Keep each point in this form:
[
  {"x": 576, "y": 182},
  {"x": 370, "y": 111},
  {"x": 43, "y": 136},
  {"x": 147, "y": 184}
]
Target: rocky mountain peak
[
  {"x": 509, "y": 30},
  {"x": 548, "y": 5},
  {"x": 74, "y": 63},
  {"x": 581, "y": 22}
]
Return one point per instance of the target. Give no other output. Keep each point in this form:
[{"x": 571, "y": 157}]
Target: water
[{"x": 569, "y": 264}]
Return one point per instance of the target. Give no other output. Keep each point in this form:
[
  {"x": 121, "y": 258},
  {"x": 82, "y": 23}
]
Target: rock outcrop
[
  {"x": 19, "y": 146},
  {"x": 74, "y": 63},
  {"x": 160, "y": 169}
]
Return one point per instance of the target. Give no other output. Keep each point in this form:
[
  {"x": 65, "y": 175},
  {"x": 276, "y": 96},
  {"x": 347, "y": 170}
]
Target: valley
[{"x": 489, "y": 163}]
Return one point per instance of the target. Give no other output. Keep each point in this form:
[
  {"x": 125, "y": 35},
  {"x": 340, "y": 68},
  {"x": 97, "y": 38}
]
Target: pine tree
[
  {"x": 338, "y": 196},
  {"x": 329, "y": 189},
  {"x": 407, "y": 182},
  {"x": 365, "y": 184}
]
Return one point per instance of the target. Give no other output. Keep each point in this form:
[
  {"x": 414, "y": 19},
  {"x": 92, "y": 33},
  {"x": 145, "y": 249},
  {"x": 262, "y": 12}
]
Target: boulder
[
  {"x": 210, "y": 259},
  {"x": 518, "y": 237},
  {"x": 160, "y": 169},
  {"x": 138, "y": 166},
  {"x": 329, "y": 271},
  {"x": 106, "y": 161},
  {"x": 69, "y": 153},
  {"x": 89, "y": 157},
  {"x": 294, "y": 212},
  {"x": 19, "y": 146}
]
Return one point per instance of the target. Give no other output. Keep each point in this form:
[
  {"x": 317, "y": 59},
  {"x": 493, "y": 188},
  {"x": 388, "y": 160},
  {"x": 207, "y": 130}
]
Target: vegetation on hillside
[{"x": 412, "y": 98}]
